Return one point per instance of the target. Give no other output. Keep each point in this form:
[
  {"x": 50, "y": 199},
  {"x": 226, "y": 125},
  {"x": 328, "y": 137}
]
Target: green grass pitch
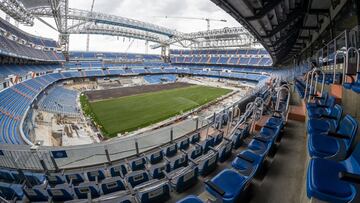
[{"x": 129, "y": 113}]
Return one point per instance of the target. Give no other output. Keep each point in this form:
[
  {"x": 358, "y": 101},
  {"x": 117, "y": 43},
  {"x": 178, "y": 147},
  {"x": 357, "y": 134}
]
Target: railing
[
  {"x": 335, "y": 63},
  {"x": 345, "y": 72}
]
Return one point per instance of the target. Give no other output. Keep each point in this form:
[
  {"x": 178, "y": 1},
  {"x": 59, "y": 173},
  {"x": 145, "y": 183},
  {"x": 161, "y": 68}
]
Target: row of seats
[
  {"x": 230, "y": 185},
  {"x": 334, "y": 167},
  {"x": 28, "y": 37},
  {"x": 60, "y": 100},
  {"x": 219, "y": 52},
  {"x": 175, "y": 167},
  {"x": 354, "y": 85},
  {"x": 222, "y": 60}
]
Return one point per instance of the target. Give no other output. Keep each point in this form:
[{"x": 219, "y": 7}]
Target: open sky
[{"x": 152, "y": 11}]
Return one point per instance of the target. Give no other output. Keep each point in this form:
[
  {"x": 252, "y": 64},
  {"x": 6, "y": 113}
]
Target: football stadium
[{"x": 206, "y": 101}]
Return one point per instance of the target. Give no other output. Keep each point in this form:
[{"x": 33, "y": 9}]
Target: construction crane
[
  {"x": 194, "y": 18},
  {"x": 88, "y": 36}
]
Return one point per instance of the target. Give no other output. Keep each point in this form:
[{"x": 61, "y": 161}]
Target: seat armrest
[
  {"x": 193, "y": 161},
  {"x": 270, "y": 127},
  {"x": 261, "y": 139},
  {"x": 321, "y": 106},
  {"x": 213, "y": 149},
  {"x": 216, "y": 188},
  {"x": 349, "y": 177},
  {"x": 337, "y": 135},
  {"x": 227, "y": 139},
  {"x": 328, "y": 117},
  {"x": 248, "y": 159},
  {"x": 276, "y": 116}
]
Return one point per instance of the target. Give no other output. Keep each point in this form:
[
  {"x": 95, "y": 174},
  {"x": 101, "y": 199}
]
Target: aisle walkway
[{"x": 284, "y": 179}]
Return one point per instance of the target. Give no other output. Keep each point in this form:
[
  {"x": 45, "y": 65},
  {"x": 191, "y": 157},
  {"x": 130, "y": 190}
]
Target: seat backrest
[
  {"x": 6, "y": 175},
  {"x": 11, "y": 191},
  {"x": 156, "y": 157},
  {"x": 196, "y": 152},
  {"x": 138, "y": 164},
  {"x": 348, "y": 126},
  {"x": 36, "y": 194},
  {"x": 181, "y": 161},
  {"x": 218, "y": 138},
  {"x": 119, "y": 170},
  {"x": 330, "y": 102},
  {"x": 55, "y": 179},
  {"x": 354, "y": 160},
  {"x": 138, "y": 178},
  {"x": 97, "y": 173},
  {"x": 184, "y": 144},
  {"x": 75, "y": 178},
  {"x": 112, "y": 185},
  {"x": 84, "y": 189},
  {"x": 171, "y": 150},
  {"x": 337, "y": 112},
  {"x": 158, "y": 193},
  {"x": 195, "y": 138},
  {"x": 61, "y": 193}
]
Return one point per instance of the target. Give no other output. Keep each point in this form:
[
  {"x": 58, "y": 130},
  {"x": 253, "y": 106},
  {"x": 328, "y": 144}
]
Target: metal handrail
[
  {"x": 345, "y": 72},
  {"x": 313, "y": 90},
  {"x": 335, "y": 63}
]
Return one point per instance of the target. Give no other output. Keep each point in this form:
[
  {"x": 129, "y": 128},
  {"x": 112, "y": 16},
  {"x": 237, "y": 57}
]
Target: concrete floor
[{"x": 284, "y": 176}]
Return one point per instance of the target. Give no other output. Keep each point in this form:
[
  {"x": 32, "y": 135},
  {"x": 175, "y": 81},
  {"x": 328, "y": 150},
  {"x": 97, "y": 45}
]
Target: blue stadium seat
[
  {"x": 138, "y": 164},
  {"x": 171, "y": 150},
  {"x": 239, "y": 135},
  {"x": 184, "y": 178},
  {"x": 184, "y": 144},
  {"x": 207, "y": 144},
  {"x": 75, "y": 178},
  {"x": 111, "y": 185},
  {"x": 225, "y": 151},
  {"x": 55, "y": 179},
  {"x": 96, "y": 175},
  {"x": 195, "y": 152},
  {"x": 190, "y": 199},
  {"x": 334, "y": 145},
  {"x": 218, "y": 138},
  {"x": 137, "y": 177},
  {"x": 32, "y": 178},
  {"x": 5, "y": 175},
  {"x": 331, "y": 181},
  {"x": 260, "y": 146},
  {"x": 156, "y": 157},
  {"x": 11, "y": 191},
  {"x": 37, "y": 193},
  {"x": 325, "y": 122},
  {"x": 319, "y": 110},
  {"x": 155, "y": 193},
  {"x": 247, "y": 163},
  {"x": 195, "y": 138},
  {"x": 61, "y": 193},
  {"x": 208, "y": 163},
  {"x": 118, "y": 170},
  {"x": 84, "y": 190},
  {"x": 228, "y": 186},
  {"x": 178, "y": 161}
]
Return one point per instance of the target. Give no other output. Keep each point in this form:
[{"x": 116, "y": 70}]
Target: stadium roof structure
[
  {"x": 76, "y": 21},
  {"x": 284, "y": 27}
]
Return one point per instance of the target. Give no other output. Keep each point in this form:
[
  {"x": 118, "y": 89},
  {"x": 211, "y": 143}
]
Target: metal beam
[
  {"x": 270, "y": 5},
  {"x": 293, "y": 16}
]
